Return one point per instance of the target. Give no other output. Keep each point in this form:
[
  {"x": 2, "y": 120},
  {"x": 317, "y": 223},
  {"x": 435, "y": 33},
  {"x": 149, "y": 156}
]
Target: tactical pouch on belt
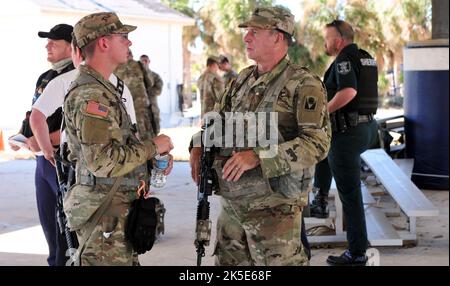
[{"x": 141, "y": 224}]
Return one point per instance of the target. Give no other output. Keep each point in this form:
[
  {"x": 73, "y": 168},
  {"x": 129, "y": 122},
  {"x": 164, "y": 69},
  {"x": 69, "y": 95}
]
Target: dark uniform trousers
[
  {"x": 344, "y": 164},
  {"x": 46, "y": 183},
  {"x": 46, "y": 195}
]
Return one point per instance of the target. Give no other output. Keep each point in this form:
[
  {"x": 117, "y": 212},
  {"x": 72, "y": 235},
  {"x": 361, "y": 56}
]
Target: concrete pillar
[
  {"x": 426, "y": 104},
  {"x": 439, "y": 20}
]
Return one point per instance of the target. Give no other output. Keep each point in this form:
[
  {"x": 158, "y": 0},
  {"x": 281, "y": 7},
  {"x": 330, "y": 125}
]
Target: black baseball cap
[{"x": 59, "y": 32}]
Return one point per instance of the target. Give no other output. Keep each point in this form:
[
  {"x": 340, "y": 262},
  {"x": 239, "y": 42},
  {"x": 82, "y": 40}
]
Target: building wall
[
  {"x": 24, "y": 56},
  {"x": 162, "y": 42}
]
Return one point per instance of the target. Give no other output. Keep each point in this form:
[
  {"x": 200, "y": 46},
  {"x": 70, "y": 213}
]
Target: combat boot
[{"x": 319, "y": 207}]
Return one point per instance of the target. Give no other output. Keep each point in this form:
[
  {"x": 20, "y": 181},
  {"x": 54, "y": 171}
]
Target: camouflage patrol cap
[
  {"x": 97, "y": 25},
  {"x": 271, "y": 18}
]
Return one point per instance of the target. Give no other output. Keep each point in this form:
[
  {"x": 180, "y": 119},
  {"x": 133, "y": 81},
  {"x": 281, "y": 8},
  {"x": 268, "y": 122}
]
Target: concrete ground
[{"x": 22, "y": 241}]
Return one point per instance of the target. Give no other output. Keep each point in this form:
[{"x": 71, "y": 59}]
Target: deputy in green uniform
[
  {"x": 263, "y": 192},
  {"x": 351, "y": 83},
  {"x": 109, "y": 158}
]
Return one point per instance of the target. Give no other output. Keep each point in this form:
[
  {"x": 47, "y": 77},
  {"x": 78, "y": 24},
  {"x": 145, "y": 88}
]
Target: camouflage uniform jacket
[
  {"x": 211, "y": 88},
  {"x": 134, "y": 77},
  {"x": 303, "y": 128},
  {"x": 101, "y": 144}
]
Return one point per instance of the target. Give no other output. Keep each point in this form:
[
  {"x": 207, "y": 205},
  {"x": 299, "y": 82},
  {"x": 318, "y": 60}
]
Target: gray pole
[{"x": 439, "y": 20}]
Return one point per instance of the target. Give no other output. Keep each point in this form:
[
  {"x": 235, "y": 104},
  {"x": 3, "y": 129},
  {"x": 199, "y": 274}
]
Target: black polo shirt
[{"x": 343, "y": 73}]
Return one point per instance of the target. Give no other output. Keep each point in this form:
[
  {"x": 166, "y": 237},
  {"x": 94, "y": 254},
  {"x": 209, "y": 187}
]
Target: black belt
[{"x": 363, "y": 118}]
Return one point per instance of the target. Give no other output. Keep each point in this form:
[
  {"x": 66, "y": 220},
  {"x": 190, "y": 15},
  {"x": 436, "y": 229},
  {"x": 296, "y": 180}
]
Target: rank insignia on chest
[
  {"x": 310, "y": 103},
  {"x": 96, "y": 108}
]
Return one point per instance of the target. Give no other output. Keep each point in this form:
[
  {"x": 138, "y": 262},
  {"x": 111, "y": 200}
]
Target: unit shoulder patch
[
  {"x": 343, "y": 67},
  {"x": 310, "y": 103}
]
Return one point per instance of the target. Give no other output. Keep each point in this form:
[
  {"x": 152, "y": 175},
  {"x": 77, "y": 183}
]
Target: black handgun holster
[{"x": 342, "y": 121}]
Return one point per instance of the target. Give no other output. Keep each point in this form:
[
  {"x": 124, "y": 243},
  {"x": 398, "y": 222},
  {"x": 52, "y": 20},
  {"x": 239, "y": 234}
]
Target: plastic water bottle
[{"x": 158, "y": 179}]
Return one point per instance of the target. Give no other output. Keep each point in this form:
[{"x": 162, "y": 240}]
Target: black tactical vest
[
  {"x": 54, "y": 120},
  {"x": 366, "y": 99}
]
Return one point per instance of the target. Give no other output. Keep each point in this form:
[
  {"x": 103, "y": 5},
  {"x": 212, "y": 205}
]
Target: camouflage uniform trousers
[
  {"x": 107, "y": 245},
  {"x": 266, "y": 237}
]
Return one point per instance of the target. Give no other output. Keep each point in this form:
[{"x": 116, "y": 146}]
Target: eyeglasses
[
  {"x": 123, "y": 35},
  {"x": 336, "y": 24}
]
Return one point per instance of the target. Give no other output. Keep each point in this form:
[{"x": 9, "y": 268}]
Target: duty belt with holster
[{"x": 342, "y": 121}]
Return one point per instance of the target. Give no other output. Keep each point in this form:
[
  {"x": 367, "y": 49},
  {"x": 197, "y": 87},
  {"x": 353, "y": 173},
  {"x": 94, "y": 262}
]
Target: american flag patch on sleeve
[{"x": 96, "y": 108}]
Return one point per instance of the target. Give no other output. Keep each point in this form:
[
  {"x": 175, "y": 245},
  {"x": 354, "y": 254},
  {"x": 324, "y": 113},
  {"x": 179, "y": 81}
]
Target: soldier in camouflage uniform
[
  {"x": 154, "y": 85},
  {"x": 210, "y": 85},
  {"x": 137, "y": 78},
  {"x": 103, "y": 146},
  {"x": 263, "y": 196},
  {"x": 133, "y": 75},
  {"x": 225, "y": 66}
]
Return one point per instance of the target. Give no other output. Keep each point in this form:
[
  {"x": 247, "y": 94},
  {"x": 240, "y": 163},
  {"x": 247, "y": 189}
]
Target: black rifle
[
  {"x": 205, "y": 188},
  {"x": 65, "y": 175}
]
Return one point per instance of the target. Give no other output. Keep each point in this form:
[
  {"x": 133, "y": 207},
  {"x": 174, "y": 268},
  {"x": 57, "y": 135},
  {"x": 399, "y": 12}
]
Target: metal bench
[
  {"x": 409, "y": 198},
  {"x": 380, "y": 231}
]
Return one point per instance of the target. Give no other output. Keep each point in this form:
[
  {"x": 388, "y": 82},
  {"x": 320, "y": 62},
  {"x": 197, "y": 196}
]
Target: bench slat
[
  {"x": 410, "y": 199},
  {"x": 367, "y": 197},
  {"x": 379, "y": 230}
]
